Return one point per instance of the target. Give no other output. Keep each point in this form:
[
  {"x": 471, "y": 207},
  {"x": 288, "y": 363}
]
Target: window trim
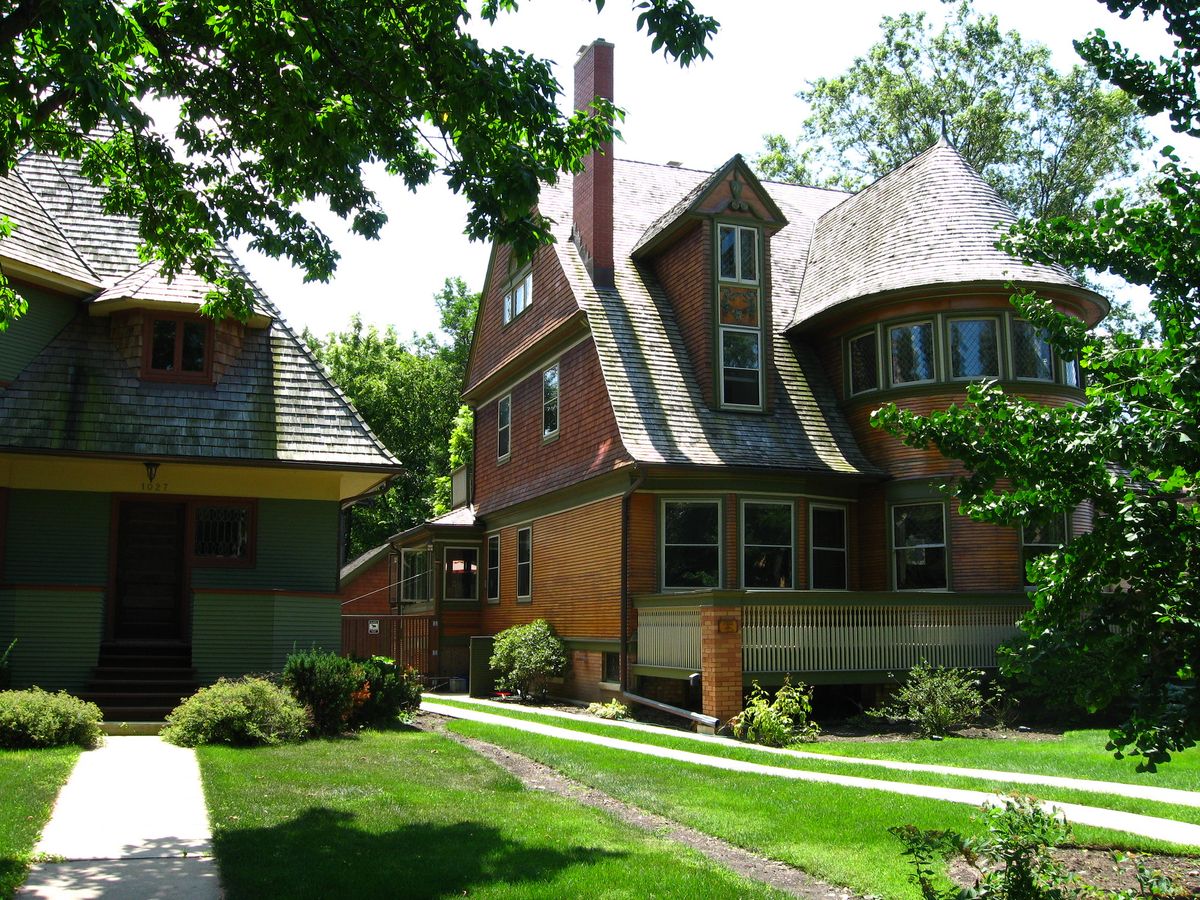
[
  {"x": 148, "y": 373},
  {"x": 250, "y": 504},
  {"x": 845, "y": 511},
  {"x": 495, "y": 535},
  {"x": 445, "y": 572},
  {"x": 874, "y": 334},
  {"x": 741, "y": 329},
  {"x": 945, "y": 545},
  {"x": 525, "y": 598},
  {"x": 662, "y": 542},
  {"x": 998, "y": 322},
  {"x": 415, "y": 551},
  {"x": 523, "y": 277},
  {"x": 933, "y": 331},
  {"x": 765, "y": 501},
  {"x": 505, "y": 401},
  {"x": 551, "y": 435}
]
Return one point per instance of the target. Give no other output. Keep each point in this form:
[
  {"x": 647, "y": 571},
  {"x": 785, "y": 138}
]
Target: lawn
[
  {"x": 415, "y": 814},
  {"x": 29, "y": 782},
  {"x": 1082, "y": 757},
  {"x": 836, "y": 833}
]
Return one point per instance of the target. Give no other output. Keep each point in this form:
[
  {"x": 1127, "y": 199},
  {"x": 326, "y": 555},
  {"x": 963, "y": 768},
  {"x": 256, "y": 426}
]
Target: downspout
[{"x": 624, "y": 646}]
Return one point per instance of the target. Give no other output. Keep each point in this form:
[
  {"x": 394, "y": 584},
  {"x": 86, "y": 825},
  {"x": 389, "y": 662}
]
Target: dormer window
[
  {"x": 519, "y": 295},
  {"x": 177, "y": 348},
  {"x": 739, "y": 299}
]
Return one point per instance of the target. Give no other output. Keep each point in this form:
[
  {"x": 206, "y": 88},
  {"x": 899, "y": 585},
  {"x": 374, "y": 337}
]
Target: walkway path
[
  {"x": 129, "y": 823},
  {"x": 1148, "y": 826},
  {"x": 1136, "y": 791}
]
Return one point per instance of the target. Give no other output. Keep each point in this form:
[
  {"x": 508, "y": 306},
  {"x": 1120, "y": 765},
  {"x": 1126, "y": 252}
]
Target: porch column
[{"x": 721, "y": 661}]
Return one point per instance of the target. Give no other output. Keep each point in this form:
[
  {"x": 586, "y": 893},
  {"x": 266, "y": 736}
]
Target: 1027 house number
[{"x": 154, "y": 487}]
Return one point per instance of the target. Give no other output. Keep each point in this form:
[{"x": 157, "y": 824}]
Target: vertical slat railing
[{"x": 669, "y": 638}]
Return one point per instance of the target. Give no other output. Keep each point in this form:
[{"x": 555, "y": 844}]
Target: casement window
[
  {"x": 503, "y": 427},
  {"x": 550, "y": 402},
  {"x": 223, "y": 533},
  {"x": 524, "y": 564},
  {"x": 1032, "y": 358},
  {"x": 612, "y": 668},
  {"x": 519, "y": 295},
  {"x": 177, "y": 348},
  {"x": 827, "y": 548},
  {"x": 493, "y": 568},
  {"x": 1044, "y": 535},
  {"x": 691, "y": 544},
  {"x": 912, "y": 352},
  {"x": 767, "y": 542},
  {"x": 739, "y": 317},
  {"x": 974, "y": 348},
  {"x": 919, "y": 546},
  {"x": 414, "y": 576},
  {"x": 462, "y": 573},
  {"x": 864, "y": 363}
]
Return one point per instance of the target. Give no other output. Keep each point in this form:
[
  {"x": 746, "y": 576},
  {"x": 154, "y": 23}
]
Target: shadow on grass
[
  {"x": 12, "y": 874},
  {"x": 321, "y": 853}
]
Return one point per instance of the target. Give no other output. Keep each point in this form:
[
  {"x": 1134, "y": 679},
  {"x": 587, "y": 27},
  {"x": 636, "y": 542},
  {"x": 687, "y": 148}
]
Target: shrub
[
  {"x": 779, "y": 721},
  {"x": 249, "y": 712},
  {"x": 35, "y": 718},
  {"x": 325, "y": 684},
  {"x": 525, "y": 656},
  {"x": 389, "y": 691},
  {"x": 613, "y": 709},
  {"x": 5, "y": 671},
  {"x": 935, "y": 700}
]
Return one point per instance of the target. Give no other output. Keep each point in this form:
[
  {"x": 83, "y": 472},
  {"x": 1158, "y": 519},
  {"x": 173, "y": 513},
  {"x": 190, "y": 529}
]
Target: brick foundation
[{"x": 721, "y": 661}]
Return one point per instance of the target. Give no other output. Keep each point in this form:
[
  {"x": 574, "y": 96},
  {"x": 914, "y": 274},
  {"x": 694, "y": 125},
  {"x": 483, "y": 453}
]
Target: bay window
[
  {"x": 919, "y": 546},
  {"x": 827, "y": 542},
  {"x": 767, "y": 544},
  {"x": 974, "y": 348},
  {"x": 912, "y": 352},
  {"x": 691, "y": 544}
]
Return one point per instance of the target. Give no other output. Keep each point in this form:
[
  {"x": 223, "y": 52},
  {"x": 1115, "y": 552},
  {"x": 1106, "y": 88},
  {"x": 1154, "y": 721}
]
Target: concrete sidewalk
[
  {"x": 1122, "y": 789},
  {"x": 129, "y": 823},
  {"x": 1148, "y": 826}
]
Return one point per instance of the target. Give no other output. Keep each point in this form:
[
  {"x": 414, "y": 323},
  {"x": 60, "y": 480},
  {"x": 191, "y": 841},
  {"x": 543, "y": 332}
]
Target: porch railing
[
  {"x": 669, "y": 637},
  {"x": 873, "y": 638}
]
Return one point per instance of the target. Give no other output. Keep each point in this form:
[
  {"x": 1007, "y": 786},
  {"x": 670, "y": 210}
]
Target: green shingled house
[{"x": 170, "y": 486}]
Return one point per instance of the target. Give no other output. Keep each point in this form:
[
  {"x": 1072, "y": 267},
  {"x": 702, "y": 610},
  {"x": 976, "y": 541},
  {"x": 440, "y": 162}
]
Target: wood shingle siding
[
  {"x": 25, "y": 338},
  {"x": 587, "y": 444},
  {"x": 685, "y": 272}
]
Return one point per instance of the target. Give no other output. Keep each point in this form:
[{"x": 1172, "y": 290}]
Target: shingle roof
[
  {"x": 36, "y": 240},
  {"x": 655, "y": 394},
  {"x": 274, "y": 403},
  {"x": 932, "y": 221}
]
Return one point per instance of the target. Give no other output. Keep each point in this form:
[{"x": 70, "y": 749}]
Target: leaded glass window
[
  {"x": 221, "y": 533},
  {"x": 828, "y": 539},
  {"x": 550, "y": 401},
  {"x": 691, "y": 544},
  {"x": 912, "y": 352},
  {"x": 974, "y": 348},
  {"x": 1031, "y": 352},
  {"x": 767, "y": 545},
  {"x": 864, "y": 363},
  {"x": 919, "y": 546}
]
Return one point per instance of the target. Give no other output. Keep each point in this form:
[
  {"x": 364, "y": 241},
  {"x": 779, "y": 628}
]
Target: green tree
[
  {"x": 1116, "y": 616},
  {"x": 1046, "y": 140},
  {"x": 409, "y": 394},
  {"x": 282, "y": 101}
]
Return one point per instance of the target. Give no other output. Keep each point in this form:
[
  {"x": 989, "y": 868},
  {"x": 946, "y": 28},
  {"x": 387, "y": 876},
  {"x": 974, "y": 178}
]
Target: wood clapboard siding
[
  {"x": 57, "y": 537},
  {"x": 643, "y": 544},
  {"x": 461, "y": 622},
  {"x": 48, "y": 314},
  {"x": 576, "y": 573},
  {"x": 588, "y": 441},
  {"x": 873, "y": 562},
  {"x": 553, "y": 303},
  {"x": 984, "y": 557},
  {"x": 236, "y": 634},
  {"x": 685, "y": 272},
  {"x": 58, "y": 636},
  {"x": 297, "y": 551}
]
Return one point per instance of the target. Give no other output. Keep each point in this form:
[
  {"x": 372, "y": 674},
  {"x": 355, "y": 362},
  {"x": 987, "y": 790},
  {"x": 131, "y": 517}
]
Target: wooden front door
[{"x": 150, "y": 571}]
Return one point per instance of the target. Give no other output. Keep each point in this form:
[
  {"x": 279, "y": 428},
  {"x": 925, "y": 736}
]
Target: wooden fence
[{"x": 406, "y": 639}]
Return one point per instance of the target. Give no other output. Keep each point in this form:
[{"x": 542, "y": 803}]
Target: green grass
[
  {"x": 836, "y": 833},
  {"x": 29, "y": 782},
  {"x": 749, "y": 754},
  {"x": 404, "y": 813}
]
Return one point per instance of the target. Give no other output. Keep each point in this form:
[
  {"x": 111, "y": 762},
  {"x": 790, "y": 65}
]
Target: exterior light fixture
[{"x": 151, "y": 470}]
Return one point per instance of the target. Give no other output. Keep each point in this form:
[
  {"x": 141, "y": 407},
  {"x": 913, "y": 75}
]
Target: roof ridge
[{"x": 14, "y": 171}]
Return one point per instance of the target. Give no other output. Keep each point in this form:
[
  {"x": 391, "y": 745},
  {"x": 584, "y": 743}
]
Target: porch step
[
  {"x": 141, "y": 682},
  {"x": 144, "y": 673}
]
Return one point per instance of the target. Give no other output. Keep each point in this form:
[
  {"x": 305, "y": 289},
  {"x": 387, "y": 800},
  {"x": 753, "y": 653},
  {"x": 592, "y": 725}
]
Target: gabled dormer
[{"x": 711, "y": 254}]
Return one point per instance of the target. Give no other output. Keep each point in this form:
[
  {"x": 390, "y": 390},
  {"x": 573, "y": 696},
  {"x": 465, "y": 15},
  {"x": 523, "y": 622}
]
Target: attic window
[
  {"x": 519, "y": 296},
  {"x": 739, "y": 318},
  {"x": 177, "y": 348},
  {"x": 738, "y": 253}
]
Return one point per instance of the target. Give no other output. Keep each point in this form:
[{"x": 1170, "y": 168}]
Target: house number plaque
[
  {"x": 154, "y": 487},
  {"x": 727, "y": 626}
]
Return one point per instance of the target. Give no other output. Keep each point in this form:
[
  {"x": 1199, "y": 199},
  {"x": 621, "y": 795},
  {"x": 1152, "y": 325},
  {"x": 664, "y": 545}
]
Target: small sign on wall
[
  {"x": 372, "y": 626},
  {"x": 727, "y": 626}
]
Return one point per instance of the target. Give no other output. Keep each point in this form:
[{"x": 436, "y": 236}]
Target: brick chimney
[{"x": 592, "y": 193}]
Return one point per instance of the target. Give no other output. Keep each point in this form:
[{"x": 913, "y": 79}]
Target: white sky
[{"x": 765, "y": 51}]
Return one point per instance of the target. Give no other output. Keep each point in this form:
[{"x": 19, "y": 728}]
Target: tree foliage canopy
[
  {"x": 284, "y": 101},
  {"x": 1046, "y": 140},
  {"x": 1116, "y": 617},
  {"x": 408, "y": 393}
]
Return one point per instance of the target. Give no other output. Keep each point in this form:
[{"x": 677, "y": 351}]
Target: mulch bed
[{"x": 1096, "y": 867}]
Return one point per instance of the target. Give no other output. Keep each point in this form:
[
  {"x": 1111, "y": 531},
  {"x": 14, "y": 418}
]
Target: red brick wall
[
  {"x": 371, "y": 590},
  {"x": 721, "y": 662},
  {"x": 588, "y": 442},
  {"x": 582, "y": 681},
  {"x": 593, "y": 187}
]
